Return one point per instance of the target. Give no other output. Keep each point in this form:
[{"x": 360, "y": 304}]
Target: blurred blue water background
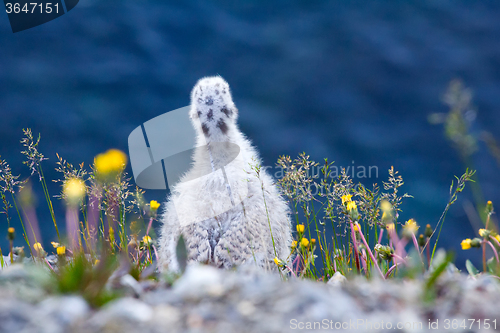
[{"x": 353, "y": 81}]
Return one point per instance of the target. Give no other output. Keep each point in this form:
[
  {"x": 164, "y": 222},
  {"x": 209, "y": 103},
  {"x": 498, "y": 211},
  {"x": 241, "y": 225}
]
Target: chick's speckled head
[{"x": 212, "y": 109}]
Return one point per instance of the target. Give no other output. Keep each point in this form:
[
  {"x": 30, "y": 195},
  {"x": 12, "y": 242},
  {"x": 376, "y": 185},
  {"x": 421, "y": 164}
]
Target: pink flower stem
[
  {"x": 149, "y": 225},
  {"x": 156, "y": 253},
  {"x": 291, "y": 271},
  {"x": 484, "y": 256},
  {"x": 428, "y": 252},
  {"x": 371, "y": 255},
  {"x": 494, "y": 251},
  {"x": 92, "y": 221},
  {"x": 495, "y": 240},
  {"x": 363, "y": 260},
  {"x": 415, "y": 243},
  {"x": 390, "y": 270},
  {"x": 33, "y": 230},
  {"x": 380, "y": 236},
  {"x": 355, "y": 246},
  {"x": 297, "y": 263},
  {"x": 399, "y": 258},
  {"x": 399, "y": 245},
  {"x": 72, "y": 227},
  {"x": 47, "y": 262}
]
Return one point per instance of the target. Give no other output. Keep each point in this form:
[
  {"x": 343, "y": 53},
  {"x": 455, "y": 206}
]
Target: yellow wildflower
[
  {"x": 390, "y": 227},
  {"x": 304, "y": 242},
  {"x": 484, "y": 233},
  {"x": 346, "y": 198},
  {"x": 74, "y": 190},
  {"x": 489, "y": 207},
  {"x": 111, "y": 162},
  {"x": 146, "y": 240},
  {"x": 313, "y": 241},
  {"x": 96, "y": 262},
  {"x": 55, "y": 244},
  {"x": 154, "y": 205},
  {"x": 353, "y": 210},
  {"x": 428, "y": 230},
  {"x": 279, "y": 263},
  {"x": 294, "y": 244},
  {"x": 300, "y": 228},
  {"x": 466, "y": 244},
  {"x": 410, "y": 227},
  {"x": 38, "y": 247},
  {"x": 497, "y": 237},
  {"x": 421, "y": 240},
  {"x": 385, "y": 206},
  {"x": 61, "y": 250},
  {"x": 356, "y": 227},
  {"x": 10, "y": 233}
]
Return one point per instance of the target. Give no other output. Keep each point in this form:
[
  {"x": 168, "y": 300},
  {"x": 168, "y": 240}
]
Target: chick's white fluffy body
[{"x": 225, "y": 211}]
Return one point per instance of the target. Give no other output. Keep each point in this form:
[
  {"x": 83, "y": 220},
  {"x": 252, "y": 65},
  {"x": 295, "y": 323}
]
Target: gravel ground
[{"x": 206, "y": 299}]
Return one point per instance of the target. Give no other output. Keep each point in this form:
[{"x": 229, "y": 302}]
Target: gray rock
[
  {"x": 125, "y": 309},
  {"x": 26, "y": 282},
  {"x": 215, "y": 300},
  {"x": 202, "y": 280},
  {"x": 337, "y": 279},
  {"x": 18, "y": 316},
  {"x": 67, "y": 310},
  {"x": 129, "y": 285}
]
